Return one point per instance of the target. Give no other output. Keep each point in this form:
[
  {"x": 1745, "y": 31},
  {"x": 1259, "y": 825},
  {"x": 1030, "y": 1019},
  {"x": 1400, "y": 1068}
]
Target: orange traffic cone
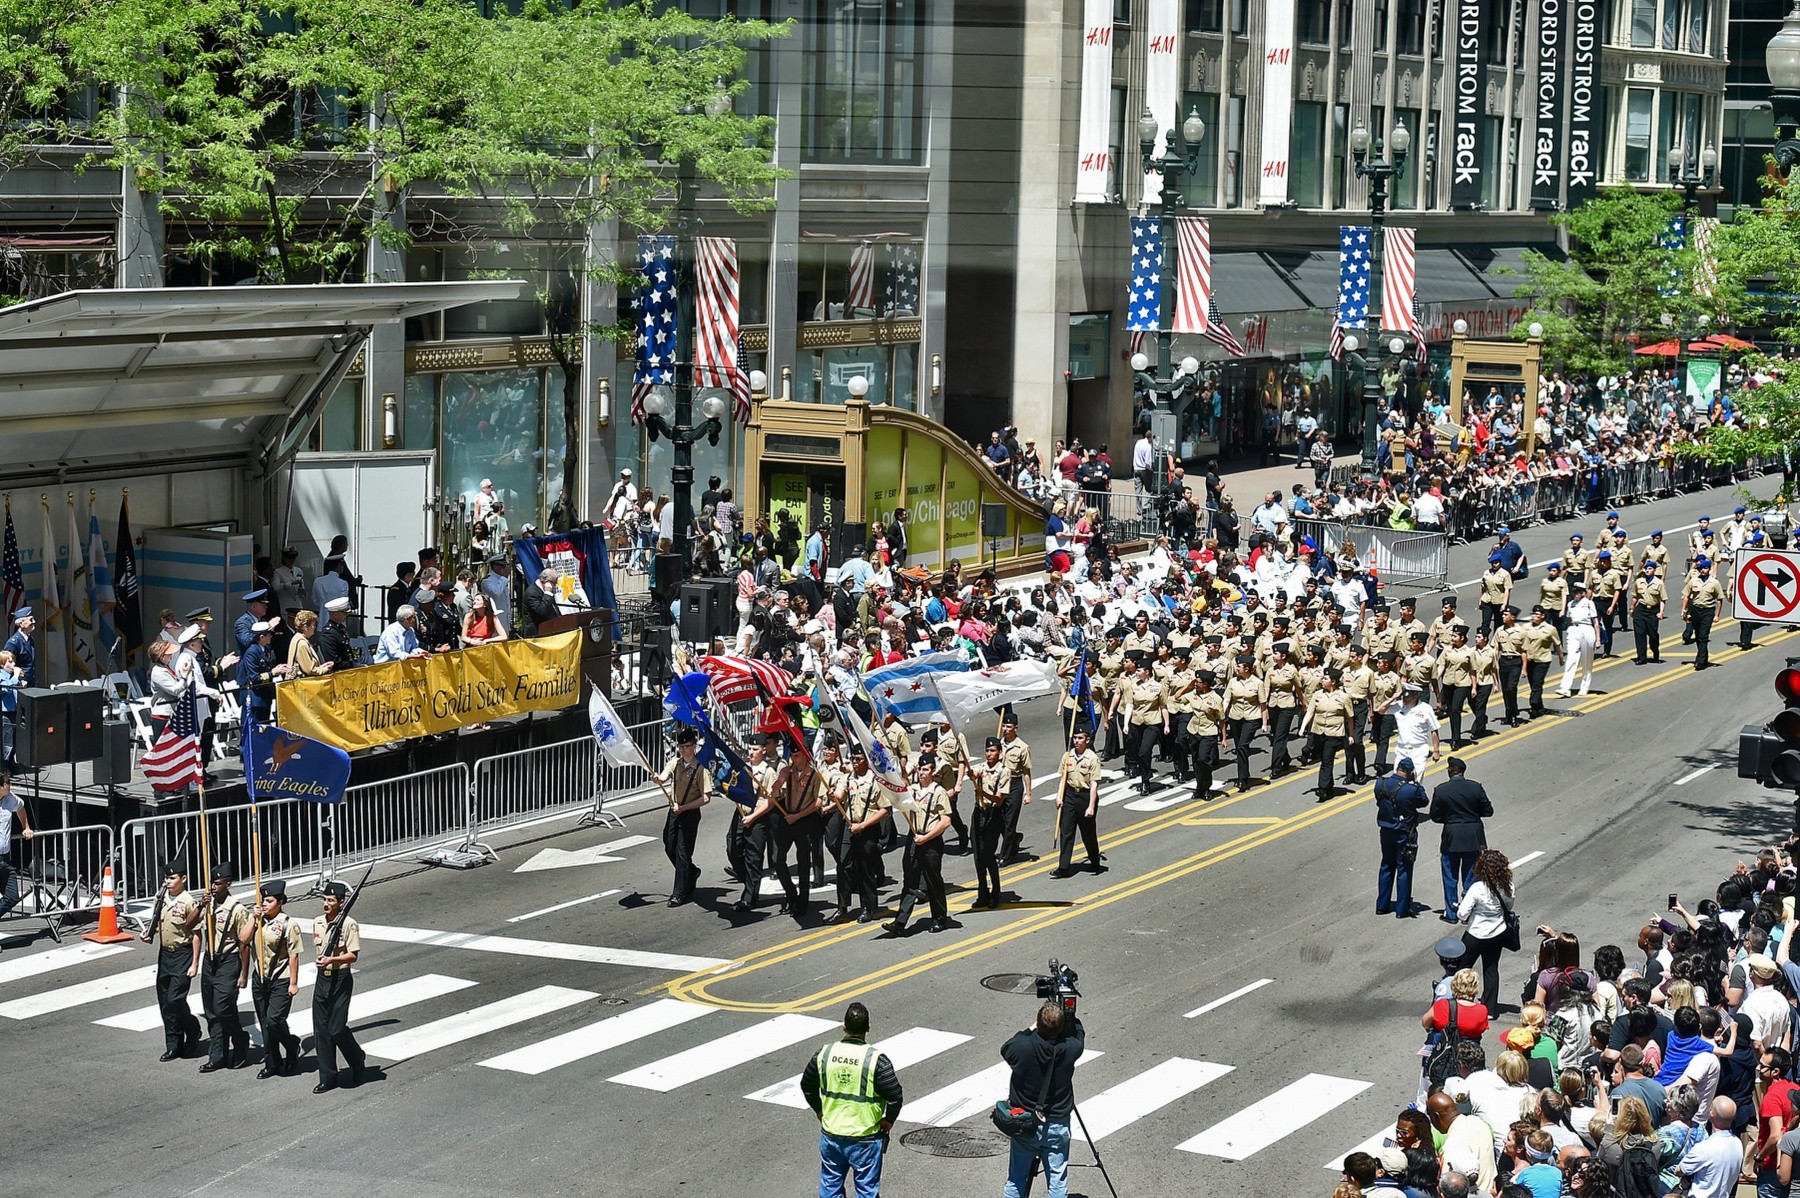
[{"x": 108, "y": 932}]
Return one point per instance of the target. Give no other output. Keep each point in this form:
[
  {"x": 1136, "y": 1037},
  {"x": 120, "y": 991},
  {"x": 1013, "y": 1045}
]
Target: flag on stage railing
[
  {"x": 1143, "y": 280},
  {"x": 1353, "y": 285},
  {"x": 1219, "y": 333},
  {"x": 733, "y": 679},
  {"x": 129, "y": 611},
  {"x": 682, "y": 703},
  {"x": 902, "y": 291},
  {"x": 966, "y": 695},
  {"x": 279, "y": 764},
  {"x": 610, "y": 732},
  {"x": 12, "y": 573},
  {"x": 173, "y": 762},
  {"x": 887, "y": 771},
  {"x": 904, "y": 688},
  {"x": 1399, "y": 257},
  {"x": 859, "y": 290},
  {"x": 1193, "y": 274},
  {"x": 718, "y": 344},
  {"x": 102, "y": 599},
  {"x": 657, "y": 320}
]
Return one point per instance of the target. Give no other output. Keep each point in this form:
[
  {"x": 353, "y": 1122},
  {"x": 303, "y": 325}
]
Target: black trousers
[
  {"x": 1281, "y": 727},
  {"x": 1479, "y": 705},
  {"x": 1205, "y": 758},
  {"x": 865, "y": 867},
  {"x": 799, "y": 836},
  {"x": 1488, "y": 953},
  {"x": 1646, "y": 631},
  {"x": 1143, "y": 749},
  {"x": 734, "y": 840},
  {"x": 1490, "y": 618},
  {"x": 1385, "y": 727},
  {"x": 1072, "y": 819},
  {"x": 1015, "y": 803},
  {"x": 1455, "y": 699},
  {"x": 1112, "y": 747},
  {"x": 1701, "y": 618},
  {"x": 1535, "y": 673},
  {"x": 1328, "y": 748},
  {"x": 988, "y": 825},
  {"x": 219, "y": 999},
  {"x": 180, "y": 1028},
  {"x": 679, "y": 834},
  {"x": 922, "y": 876},
  {"x": 1356, "y": 755},
  {"x": 837, "y": 843},
  {"x": 1241, "y": 732},
  {"x": 1510, "y": 670},
  {"x": 272, "y": 1001},
  {"x": 1746, "y": 633},
  {"x": 753, "y": 846},
  {"x": 331, "y": 1024}
]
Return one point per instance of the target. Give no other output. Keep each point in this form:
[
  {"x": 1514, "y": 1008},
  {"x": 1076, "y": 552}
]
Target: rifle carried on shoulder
[{"x": 336, "y": 931}]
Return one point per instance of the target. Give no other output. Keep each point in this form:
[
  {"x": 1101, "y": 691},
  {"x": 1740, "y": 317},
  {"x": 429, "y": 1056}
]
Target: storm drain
[
  {"x": 1011, "y": 983},
  {"x": 962, "y": 1143}
]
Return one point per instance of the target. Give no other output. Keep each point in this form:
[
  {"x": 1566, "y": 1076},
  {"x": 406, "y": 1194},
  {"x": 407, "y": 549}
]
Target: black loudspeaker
[
  {"x": 42, "y": 737},
  {"x": 846, "y": 536},
  {"x": 697, "y": 616},
  {"x": 668, "y": 579},
  {"x": 654, "y": 657},
  {"x": 993, "y": 519},
  {"x": 113, "y": 766},
  {"x": 87, "y": 715}
]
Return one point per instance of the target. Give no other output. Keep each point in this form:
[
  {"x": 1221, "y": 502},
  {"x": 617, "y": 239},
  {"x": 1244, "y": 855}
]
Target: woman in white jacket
[
  {"x": 1484, "y": 908},
  {"x": 1580, "y": 641}
]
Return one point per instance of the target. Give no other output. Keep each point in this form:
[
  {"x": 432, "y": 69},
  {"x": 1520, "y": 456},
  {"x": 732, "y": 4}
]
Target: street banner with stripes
[
  {"x": 859, "y": 292},
  {"x": 1353, "y": 285},
  {"x": 658, "y": 329},
  {"x": 1193, "y": 274},
  {"x": 1398, "y": 281},
  {"x": 717, "y": 334}
]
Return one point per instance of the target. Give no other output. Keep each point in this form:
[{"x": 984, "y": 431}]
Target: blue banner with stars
[{"x": 1143, "y": 303}]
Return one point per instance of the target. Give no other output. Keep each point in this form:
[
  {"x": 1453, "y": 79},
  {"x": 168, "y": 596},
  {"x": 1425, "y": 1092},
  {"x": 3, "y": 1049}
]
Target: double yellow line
[{"x": 699, "y": 987}]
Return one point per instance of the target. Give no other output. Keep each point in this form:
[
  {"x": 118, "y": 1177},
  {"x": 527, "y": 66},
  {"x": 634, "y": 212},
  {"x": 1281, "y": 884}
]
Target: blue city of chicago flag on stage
[
  {"x": 1143, "y": 288},
  {"x": 279, "y": 764}
]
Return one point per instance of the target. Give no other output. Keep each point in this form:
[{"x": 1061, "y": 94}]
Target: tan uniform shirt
[
  {"x": 991, "y": 782},
  {"x": 279, "y": 940},
  {"x": 228, "y": 920},
  {"x": 1421, "y": 668},
  {"x": 1144, "y": 642},
  {"x": 349, "y": 942},
  {"x": 1606, "y": 583},
  {"x": 1658, "y": 554},
  {"x": 1244, "y": 698},
  {"x": 1649, "y": 592},
  {"x": 1540, "y": 641},
  {"x": 1207, "y": 715},
  {"x": 866, "y": 797},
  {"x": 950, "y": 758},
  {"x": 1457, "y": 666},
  {"x": 1553, "y": 594},
  {"x": 1017, "y": 756},
  {"x": 796, "y": 789},
  {"x": 1510, "y": 642},
  {"x": 893, "y": 736},
  {"x": 1312, "y": 678},
  {"x": 1356, "y": 683},
  {"x": 1697, "y": 594},
  {"x": 930, "y": 804},
  {"x": 1485, "y": 664},
  {"x": 688, "y": 783},
  {"x": 1381, "y": 640},
  {"x": 1080, "y": 770},
  {"x": 174, "y": 931},
  {"x": 1496, "y": 585},
  {"x": 1144, "y": 701},
  {"x": 1281, "y": 686},
  {"x": 1329, "y": 712},
  {"x": 1383, "y": 689}
]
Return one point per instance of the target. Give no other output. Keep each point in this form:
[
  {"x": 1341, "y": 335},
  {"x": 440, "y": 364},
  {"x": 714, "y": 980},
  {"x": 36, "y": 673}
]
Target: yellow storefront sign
[{"x": 379, "y": 704}]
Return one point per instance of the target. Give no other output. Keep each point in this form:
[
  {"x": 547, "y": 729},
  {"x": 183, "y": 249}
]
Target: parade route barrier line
[{"x": 699, "y": 987}]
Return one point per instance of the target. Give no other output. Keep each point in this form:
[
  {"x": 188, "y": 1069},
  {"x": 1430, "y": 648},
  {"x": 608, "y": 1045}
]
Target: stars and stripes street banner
[
  {"x": 1143, "y": 287},
  {"x": 901, "y": 294},
  {"x": 904, "y": 688},
  {"x": 1399, "y": 266},
  {"x": 128, "y": 610},
  {"x": 733, "y": 679},
  {"x": 718, "y": 339},
  {"x": 173, "y": 762},
  {"x": 859, "y": 288},
  {"x": 657, "y": 313},
  {"x": 1193, "y": 274},
  {"x": 12, "y": 573},
  {"x": 1219, "y": 333},
  {"x": 966, "y": 695},
  {"x": 1353, "y": 285}
]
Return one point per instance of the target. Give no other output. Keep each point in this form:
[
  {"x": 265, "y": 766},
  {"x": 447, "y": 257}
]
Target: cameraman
[{"x": 1043, "y": 1080}]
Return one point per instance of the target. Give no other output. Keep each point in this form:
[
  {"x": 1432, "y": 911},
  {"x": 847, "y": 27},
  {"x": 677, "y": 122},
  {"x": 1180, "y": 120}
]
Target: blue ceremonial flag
[
  {"x": 279, "y": 764},
  {"x": 1087, "y": 708},
  {"x": 682, "y": 703},
  {"x": 904, "y": 689},
  {"x": 730, "y": 772},
  {"x": 1143, "y": 289}
]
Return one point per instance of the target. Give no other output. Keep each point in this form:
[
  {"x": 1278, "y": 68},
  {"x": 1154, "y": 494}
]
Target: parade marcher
[
  {"x": 796, "y": 796},
  {"x": 1456, "y": 679},
  {"x": 1553, "y": 596},
  {"x": 1509, "y": 650},
  {"x": 272, "y": 938},
  {"x": 1541, "y": 641},
  {"x": 1143, "y": 703},
  {"x": 926, "y": 815},
  {"x": 753, "y": 840},
  {"x": 1581, "y": 640},
  {"x": 1327, "y": 717},
  {"x": 223, "y": 971},
  {"x": 1606, "y": 590},
  {"x": 1017, "y": 755},
  {"x": 834, "y": 777},
  {"x": 1416, "y": 729},
  {"x": 864, "y": 808},
  {"x": 991, "y": 779},
  {"x": 1077, "y": 803},
  {"x": 855, "y": 1093},
  {"x": 1281, "y": 699},
  {"x": 952, "y": 757},
  {"x": 1486, "y": 666},
  {"x": 1496, "y": 592},
  {"x": 1398, "y": 801},
  {"x": 1384, "y": 694},
  {"x": 1701, "y": 596},
  {"x": 1205, "y": 731},
  {"x": 1657, "y": 554},
  {"x": 1358, "y": 683},
  {"x": 337, "y": 942},
  {"x": 172, "y": 930},
  {"x": 688, "y": 786},
  {"x": 1246, "y": 712}
]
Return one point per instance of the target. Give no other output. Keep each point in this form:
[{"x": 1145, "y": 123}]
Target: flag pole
[{"x": 248, "y": 750}]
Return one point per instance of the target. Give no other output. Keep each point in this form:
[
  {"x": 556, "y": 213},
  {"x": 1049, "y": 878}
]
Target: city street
[{"x": 545, "y": 1025}]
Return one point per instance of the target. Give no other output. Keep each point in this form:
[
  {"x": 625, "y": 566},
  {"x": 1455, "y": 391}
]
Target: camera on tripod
[{"x": 1059, "y": 985}]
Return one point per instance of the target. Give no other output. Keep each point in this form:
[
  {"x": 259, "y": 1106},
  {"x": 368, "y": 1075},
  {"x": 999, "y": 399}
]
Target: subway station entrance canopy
[{"x": 101, "y": 381}]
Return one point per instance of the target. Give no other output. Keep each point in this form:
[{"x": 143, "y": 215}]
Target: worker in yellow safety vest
[{"x": 854, "y": 1091}]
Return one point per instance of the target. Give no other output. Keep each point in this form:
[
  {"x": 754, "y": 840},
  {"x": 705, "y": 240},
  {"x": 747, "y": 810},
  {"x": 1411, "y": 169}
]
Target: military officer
[
  {"x": 1541, "y": 641},
  {"x": 173, "y": 932},
  {"x": 223, "y": 972},
  {"x": 1017, "y": 755},
  {"x": 926, "y": 813},
  {"x": 688, "y": 788},
  {"x": 1509, "y": 649},
  {"x": 337, "y": 942},
  {"x": 1327, "y": 717},
  {"x": 272, "y": 937},
  {"x": 332, "y": 641},
  {"x": 1247, "y": 711},
  {"x": 1206, "y": 730},
  {"x": 20, "y": 646},
  {"x": 1077, "y": 802},
  {"x": 796, "y": 795},
  {"x": 991, "y": 779},
  {"x": 1701, "y": 596}
]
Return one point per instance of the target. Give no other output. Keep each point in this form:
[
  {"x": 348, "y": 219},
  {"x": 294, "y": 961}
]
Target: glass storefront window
[
  {"x": 418, "y": 412},
  {"x": 1667, "y": 136},
  {"x": 1405, "y": 189},
  {"x": 858, "y": 280},
  {"x": 863, "y": 98},
  {"x": 1637, "y": 134},
  {"x": 1309, "y": 155},
  {"x": 555, "y": 437},
  {"x": 339, "y": 427},
  {"x": 842, "y": 365},
  {"x": 1090, "y": 345},
  {"x": 1643, "y": 23},
  {"x": 494, "y": 428},
  {"x": 906, "y": 378},
  {"x": 1201, "y": 185}
]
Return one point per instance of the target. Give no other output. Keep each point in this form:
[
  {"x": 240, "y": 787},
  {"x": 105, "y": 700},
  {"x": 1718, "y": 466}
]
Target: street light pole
[
  {"x": 1379, "y": 170},
  {"x": 1171, "y": 164},
  {"x": 1783, "y": 62}
]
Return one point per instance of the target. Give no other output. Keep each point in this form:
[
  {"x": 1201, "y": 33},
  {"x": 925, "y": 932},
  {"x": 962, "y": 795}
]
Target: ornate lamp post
[
  {"x": 1172, "y": 163},
  {"x": 1380, "y": 170},
  {"x": 1783, "y": 61}
]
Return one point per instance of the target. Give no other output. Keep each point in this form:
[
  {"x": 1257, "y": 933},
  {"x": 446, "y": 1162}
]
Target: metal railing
[
  {"x": 514, "y": 787},
  {"x": 288, "y": 837},
  {"x": 59, "y": 871},
  {"x": 395, "y": 818},
  {"x": 1401, "y": 556}
]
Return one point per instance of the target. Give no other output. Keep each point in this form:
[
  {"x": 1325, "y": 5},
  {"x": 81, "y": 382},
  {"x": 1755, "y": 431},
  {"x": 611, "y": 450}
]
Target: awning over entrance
[
  {"x": 1245, "y": 281},
  {"x": 1502, "y": 267},
  {"x": 1443, "y": 278},
  {"x": 122, "y": 378}
]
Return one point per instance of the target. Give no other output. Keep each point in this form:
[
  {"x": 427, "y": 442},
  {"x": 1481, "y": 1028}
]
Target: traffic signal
[{"x": 1771, "y": 754}]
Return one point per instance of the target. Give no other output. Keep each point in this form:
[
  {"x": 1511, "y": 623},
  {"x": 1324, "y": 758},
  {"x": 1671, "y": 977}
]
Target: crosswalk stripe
[
  {"x": 144, "y": 1019},
  {"x": 79, "y": 994},
  {"x": 589, "y": 953},
  {"x": 1148, "y": 1092},
  {"x": 1267, "y": 1120},
  {"x": 904, "y": 1050},
  {"x": 382, "y": 999},
  {"x": 1157, "y": 800},
  {"x": 17, "y": 969},
  {"x": 971, "y": 1095},
  {"x": 726, "y": 1052},
  {"x": 1372, "y": 1145},
  {"x": 595, "y": 1038},
  {"x": 465, "y": 1025}
]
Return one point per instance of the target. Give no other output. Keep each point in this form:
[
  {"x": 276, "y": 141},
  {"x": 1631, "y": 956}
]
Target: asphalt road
[{"x": 493, "y": 988}]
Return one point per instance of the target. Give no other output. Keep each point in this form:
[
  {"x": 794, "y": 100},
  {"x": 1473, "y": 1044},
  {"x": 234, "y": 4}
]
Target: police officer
[
  {"x": 336, "y": 949},
  {"x": 177, "y": 958},
  {"x": 1017, "y": 755},
  {"x": 1327, "y": 716},
  {"x": 688, "y": 788},
  {"x": 1509, "y": 649},
  {"x": 1077, "y": 803},
  {"x": 991, "y": 779},
  {"x": 855, "y": 1093},
  {"x": 1247, "y": 713},
  {"x": 796, "y": 796},
  {"x": 273, "y": 939},
  {"x": 1541, "y": 641},
  {"x": 927, "y": 818},
  {"x": 1701, "y": 596},
  {"x": 865, "y": 806},
  {"x": 1206, "y": 731},
  {"x": 223, "y": 972},
  {"x": 1398, "y": 801}
]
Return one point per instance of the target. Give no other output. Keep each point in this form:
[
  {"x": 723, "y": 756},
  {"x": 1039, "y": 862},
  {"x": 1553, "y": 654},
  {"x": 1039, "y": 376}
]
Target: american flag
[
  {"x": 1193, "y": 274},
  {"x": 1143, "y": 294},
  {"x": 859, "y": 295},
  {"x": 12, "y": 585},
  {"x": 1134, "y": 343},
  {"x": 657, "y": 326},
  {"x": 718, "y": 340},
  {"x": 174, "y": 760},
  {"x": 1219, "y": 333},
  {"x": 1399, "y": 274},
  {"x": 740, "y": 384},
  {"x": 1673, "y": 241},
  {"x": 734, "y": 679},
  {"x": 1706, "y": 266},
  {"x": 1353, "y": 285},
  {"x": 902, "y": 279}
]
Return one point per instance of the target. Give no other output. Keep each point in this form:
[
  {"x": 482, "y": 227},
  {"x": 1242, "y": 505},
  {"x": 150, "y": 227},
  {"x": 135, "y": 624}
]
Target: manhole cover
[
  {"x": 614, "y": 1002},
  {"x": 1011, "y": 983},
  {"x": 960, "y": 1142}
]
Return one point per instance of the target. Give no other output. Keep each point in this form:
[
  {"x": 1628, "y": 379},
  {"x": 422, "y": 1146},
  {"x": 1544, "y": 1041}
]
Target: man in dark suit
[
  {"x": 539, "y": 601},
  {"x": 1460, "y": 805}
]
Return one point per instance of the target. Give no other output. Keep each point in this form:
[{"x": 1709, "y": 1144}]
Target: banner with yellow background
[{"x": 395, "y": 700}]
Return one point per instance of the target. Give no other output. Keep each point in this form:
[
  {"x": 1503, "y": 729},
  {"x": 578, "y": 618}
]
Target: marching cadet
[
  {"x": 177, "y": 958},
  {"x": 689, "y": 787},
  {"x": 1077, "y": 802},
  {"x": 1112, "y": 674},
  {"x": 1553, "y": 596},
  {"x": 1141, "y": 638},
  {"x": 273, "y": 939},
  {"x": 1509, "y": 650},
  {"x": 1576, "y": 560},
  {"x": 1623, "y": 557},
  {"x": 223, "y": 972},
  {"x": 952, "y": 757},
  {"x": 992, "y": 779},
  {"x": 926, "y": 813},
  {"x": 1701, "y": 596},
  {"x": 1206, "y": 731},
  {"x": 1017, "y": 755},
  {"x": 1421, "y": 667},
  {"x": 1455, "y": 679},
  {"x": 753, "y": 844},
  {"x": 1247, "y": 710},
  {"x": 1327, "y": 717},
  {"x": 1384, "y": 692},
  {"x": 1178, "y": 702},
  {"x": 1698, "y": 543},
  {"x": 893, "y": 737},
  {"x": 1438, "y": 637},
  {"x": 1708, "y": 552},
  {"x": 795, "y": 793},
  {"x": 1747, "y": 628},
  {"x": 1281, "y": 702},
  {"x": 1357, "y": 682},
  {"x": 834, "y": 779},
  {"x": 1606, "y": 589},
  {"x": 1540, "y": 641},
  {"x": 1496, "y": 592},
  {"x": 1485, "y": 665},
  {"x": 1144, "y": 699},
  {"x": 1382, "y": 637},
  {"x": 337, "y": 941},
  {"x": 1408, "y": 623},
  {"x": 865, "y": 806},
  {"x": 1658, "y": 553}
]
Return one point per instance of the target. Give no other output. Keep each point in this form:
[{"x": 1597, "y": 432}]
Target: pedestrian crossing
[{"x": 666, "y": 1046}]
